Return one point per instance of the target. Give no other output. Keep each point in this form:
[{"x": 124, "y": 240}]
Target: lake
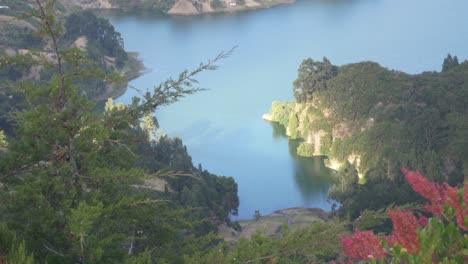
[{"x": 222, "y": 127}]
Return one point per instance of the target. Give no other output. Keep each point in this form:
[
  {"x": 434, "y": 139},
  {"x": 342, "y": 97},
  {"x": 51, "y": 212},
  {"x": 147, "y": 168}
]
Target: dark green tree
[
  {"x": 450, "y": 62},
  {"x": 103, "y": 38},
  {"x": 68, "y": 180},
  {"x": 257, "y": 215},
  {"x": 312, "y": 77},
  {"x": 217, "y": 4}
]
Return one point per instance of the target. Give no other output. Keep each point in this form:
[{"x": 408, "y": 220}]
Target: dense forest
[
  {"x": 89, "y": 182},
  {"x": 371, "y": 121},
  {"x": 82, "y": 30},
  {"x": 85, "y": 184}
]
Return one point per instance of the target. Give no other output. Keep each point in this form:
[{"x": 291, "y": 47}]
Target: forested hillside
[
  {"x": 81, "y": 184},
  {"x": 84, "y": 179},
  {"x": 82, "y": 30},
  {"x": 371, "y": 121}
]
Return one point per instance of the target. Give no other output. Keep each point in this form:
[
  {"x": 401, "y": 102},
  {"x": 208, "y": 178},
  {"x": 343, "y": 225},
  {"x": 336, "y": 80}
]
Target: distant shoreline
[
  {"x": 189, "y": 8},
  {"x": 183, "y": 8},
  {"x": 134, "y": 69}
]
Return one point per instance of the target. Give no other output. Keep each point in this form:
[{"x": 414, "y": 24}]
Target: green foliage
[
  {"x": 326, "y": 144},
  {"x": 72, "y": 185},
  {"x": 257, "y": 215},
  {"x": 387, "y": 119},
  {"x": 317, "y": 243},
  {"x": 81, "y": 221},
  {"x": 142, "y": 258},
  {"x": 280, "y": 112},
  {"x": 376, "y": 193},
  {"x": 19, "y": 255},
  {"x": 450, "y": 62},
  {"x": 26, "y": 33},
  {"x": 292, "y": 129},
  {"x": 162, "y": 5},
  {"x": 217, "y": 4},
  {"x": 312, "y": 77},
  {"x": 347, "y": 183},
  {"x": 103, "y": 40},
  {"x": 11, "y": 250},
  {"x": 321, "y": 124},
  {"x": 3, "y": 142},
  {"x": 416, "y": 239},
  {"x": 305, "y": 149},
  {"x": 20, "y": 37},
  {"x": 376, "y": 220}
]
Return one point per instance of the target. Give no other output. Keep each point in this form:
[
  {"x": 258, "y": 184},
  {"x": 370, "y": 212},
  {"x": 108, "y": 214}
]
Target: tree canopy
[{"x": 75, "y": 183}]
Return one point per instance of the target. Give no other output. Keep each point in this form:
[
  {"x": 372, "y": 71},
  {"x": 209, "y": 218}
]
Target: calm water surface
[{"x": 223, "y": 128}]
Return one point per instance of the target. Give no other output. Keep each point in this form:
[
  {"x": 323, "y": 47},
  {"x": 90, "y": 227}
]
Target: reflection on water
[
  {"x": 222, "y": 127},
  {"x": 312, "y": 177}
]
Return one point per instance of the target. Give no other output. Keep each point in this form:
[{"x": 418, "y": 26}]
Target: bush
[
  {"x": 217, "y": 4},
  {"x": 305, "y": 149},
  {"x": 417, "y": 239},
  {"x": 280, "y": 112}
]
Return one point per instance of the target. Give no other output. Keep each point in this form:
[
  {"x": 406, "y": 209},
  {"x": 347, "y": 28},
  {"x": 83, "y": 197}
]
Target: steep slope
[{"x": 380, "y": 119}]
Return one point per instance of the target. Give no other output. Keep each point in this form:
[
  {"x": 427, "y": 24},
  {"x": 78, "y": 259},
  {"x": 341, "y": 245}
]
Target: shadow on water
[{"x": 311, "y": 175}]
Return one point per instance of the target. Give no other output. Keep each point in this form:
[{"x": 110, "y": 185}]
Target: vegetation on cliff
[
  {"x": 379, "y": 120},
  {"x": 441, "y": 238}
]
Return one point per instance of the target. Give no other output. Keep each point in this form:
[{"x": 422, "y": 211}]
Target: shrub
[
  {"x": 217, "y": 4},
  {"x": 305, "y": 149},
  {"x": 417, "y": 239}
]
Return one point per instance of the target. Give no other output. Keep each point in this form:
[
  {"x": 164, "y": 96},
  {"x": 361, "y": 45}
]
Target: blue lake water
[{"x": 222, "y": 127}]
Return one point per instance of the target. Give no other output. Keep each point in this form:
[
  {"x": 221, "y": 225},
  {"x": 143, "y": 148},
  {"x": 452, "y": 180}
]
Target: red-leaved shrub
[{"x": 439, "y": 236}]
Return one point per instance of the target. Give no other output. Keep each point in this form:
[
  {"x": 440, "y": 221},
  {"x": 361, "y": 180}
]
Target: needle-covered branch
[{"x": 168, "y": 92}]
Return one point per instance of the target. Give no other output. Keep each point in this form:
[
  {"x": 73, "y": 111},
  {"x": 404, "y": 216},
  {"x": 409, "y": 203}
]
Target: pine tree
[
  {"x": 450, "y": 62},
  {"x": 68, "y": 175}
]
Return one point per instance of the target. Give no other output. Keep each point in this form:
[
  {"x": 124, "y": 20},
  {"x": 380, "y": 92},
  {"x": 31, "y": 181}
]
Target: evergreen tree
[
  {"x": 312, "y": 77},
  {"x": 68, "y": 178},
  {"x": 450, "y": 62}
]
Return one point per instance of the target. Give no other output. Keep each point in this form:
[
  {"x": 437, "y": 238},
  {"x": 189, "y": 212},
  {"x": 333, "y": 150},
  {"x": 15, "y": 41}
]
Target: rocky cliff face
[
  {"x": 380, "y": 120},
  {"x": 306, "y": 122}
]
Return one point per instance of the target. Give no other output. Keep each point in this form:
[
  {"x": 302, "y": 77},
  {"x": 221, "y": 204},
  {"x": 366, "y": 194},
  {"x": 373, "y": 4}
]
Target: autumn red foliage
[
  {"x": 362, "y": 245},
  {"x": 405, "y": 226},
  {"x": 365, "y": 245},
  {"x": 433, "y": 192},
  {"x": 453, "y": 199},
  {"x": 439, "y": 195}
]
